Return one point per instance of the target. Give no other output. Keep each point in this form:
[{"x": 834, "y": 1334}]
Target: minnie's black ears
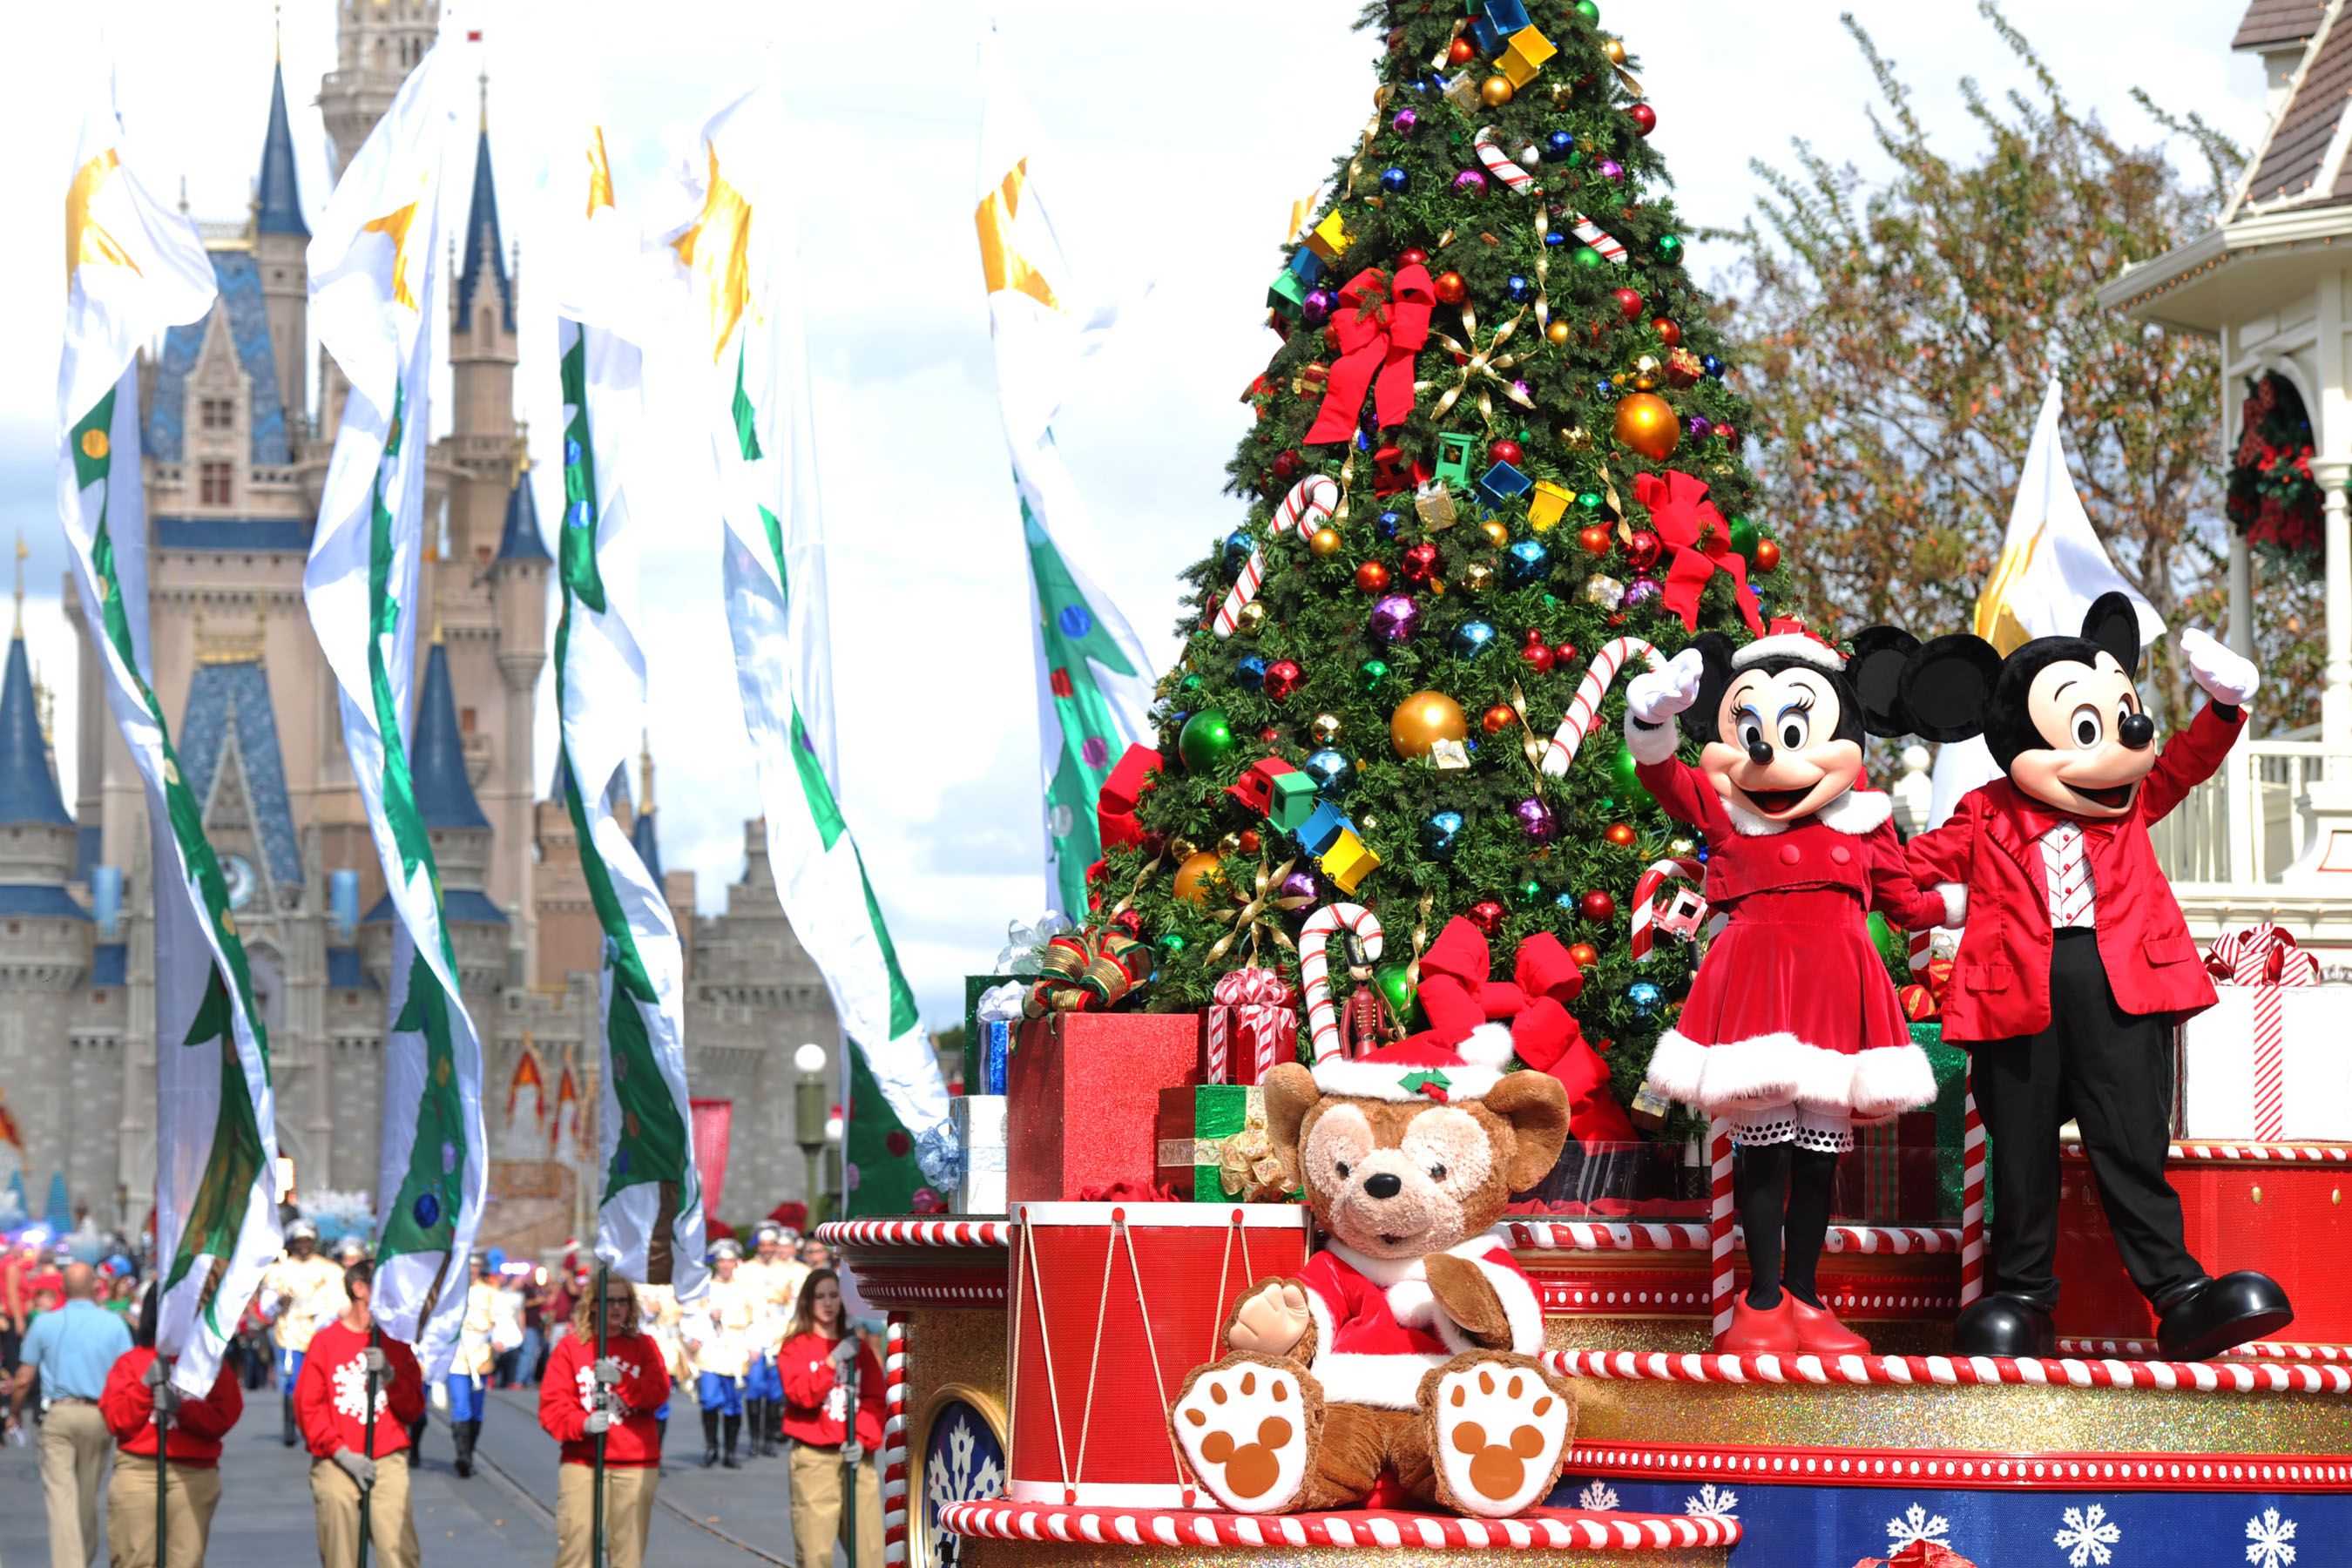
[
  {"x": 1876, "y": 671},
  {"x": 2114, "y": 625},
  {"x": 1716, "y": 650},
  {"x": 1945, "y": 687}
]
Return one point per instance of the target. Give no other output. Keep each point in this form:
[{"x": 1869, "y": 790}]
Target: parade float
[{"x": 1391, "y": 860}]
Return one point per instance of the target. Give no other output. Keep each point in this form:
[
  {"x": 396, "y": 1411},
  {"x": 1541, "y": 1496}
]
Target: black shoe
[
  {"x": 2216, "y": 1315},
  {"x": 710, "y": 1457},
  {"x": 2004, "y": 1325},
  {"x": 734, "y": 1429}
]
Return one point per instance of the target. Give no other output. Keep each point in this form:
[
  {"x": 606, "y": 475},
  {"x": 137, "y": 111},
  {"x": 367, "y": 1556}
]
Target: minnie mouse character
[
  {"x": 1792, "y": 1030},
  {"x": 2076, "y": 962}
]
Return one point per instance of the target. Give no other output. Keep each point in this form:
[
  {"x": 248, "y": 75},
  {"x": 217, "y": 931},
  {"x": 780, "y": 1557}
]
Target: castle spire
[
  {"x": 29, "y": 789},
  {"x": 486, "y": 258},
  {"x": 445, "y": 794},
  {"x": 278, "y": 205}
]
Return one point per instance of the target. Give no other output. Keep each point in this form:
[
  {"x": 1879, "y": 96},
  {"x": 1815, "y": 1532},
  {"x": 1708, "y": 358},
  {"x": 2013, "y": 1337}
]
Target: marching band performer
[
  {"x": 300, "y": 1293},
  {"x": 469, "y": 1369},
  {"x": 774, "y": 1282},
  {"x": 718, "y": 1332}
]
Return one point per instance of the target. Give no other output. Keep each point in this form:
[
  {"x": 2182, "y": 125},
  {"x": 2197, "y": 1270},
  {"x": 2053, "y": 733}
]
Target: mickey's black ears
[
  {"x": 1876, "y": 671},
  {"x": 2114, "y": 625},
  {"x": 1945, "y": 686}
]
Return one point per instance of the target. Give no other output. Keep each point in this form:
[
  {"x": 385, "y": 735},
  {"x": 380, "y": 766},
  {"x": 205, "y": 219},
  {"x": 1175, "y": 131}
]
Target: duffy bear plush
[{"x": 1398, "y": 1366}]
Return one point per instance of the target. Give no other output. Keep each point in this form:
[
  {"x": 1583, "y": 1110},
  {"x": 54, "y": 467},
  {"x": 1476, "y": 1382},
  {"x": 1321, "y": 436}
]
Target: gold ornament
[
  {"x": 1615, "y": 49},
  {"x": 1560, "y": 332},
  {"x": 1196, "y": 876},
  {"x": 1477, "y": 364},
  {"x": 1494, "y": 91},
  {"x": 1478, "y": 577},
  {"x": 1231, "y": 844},
  {"x": 1251, "y": 615},
  {"x": 1422, "y": 721},
  {"x": 1644, "y": 383},
  {"x": 1325, "y": 729},
  {"x": 1680, "y": 847},
  {"x": 1324, "y": 541},
  {"x": 1646, "y": 365},
  {"x": 1496, "y": 533},
  {"x": 1647, "y": 423}
]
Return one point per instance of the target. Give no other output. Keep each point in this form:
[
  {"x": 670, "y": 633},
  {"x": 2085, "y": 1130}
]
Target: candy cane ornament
[
  {"x": 1585, "y": 706},
  {"x": 1498, "y": 163},
  {"x": 1308, "y": 506},
  {"x": 1680, "y": 918},
  {"x": 1594, "y": 235},
  {"x": 1315, "y": 969}
]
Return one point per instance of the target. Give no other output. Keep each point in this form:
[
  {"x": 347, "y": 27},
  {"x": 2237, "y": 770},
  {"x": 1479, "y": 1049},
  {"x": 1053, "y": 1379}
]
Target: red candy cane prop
[
  {"x": 1498, "y": 163},
  {"x": 1585, "y": 706},
  {"x": 1718, "y": 1225},
  {"x": 1972, "y": 1196},
  {"x": 1307, "y": 507},
  {"x": 1594, "y": 235},
  {"x": 1315, "y": 969},
  {"x": 1646, "y": 888},
  {"x": 2264, "y": 959}
]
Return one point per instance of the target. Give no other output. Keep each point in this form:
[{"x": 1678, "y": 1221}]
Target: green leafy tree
[
  {"x": 1897, "y": 337},
  {"x": 1557, "y": 297}
]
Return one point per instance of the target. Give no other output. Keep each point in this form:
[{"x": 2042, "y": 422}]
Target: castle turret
[
  {"x": 483, "y": 349},
  {"x": 279, "y": 238}
]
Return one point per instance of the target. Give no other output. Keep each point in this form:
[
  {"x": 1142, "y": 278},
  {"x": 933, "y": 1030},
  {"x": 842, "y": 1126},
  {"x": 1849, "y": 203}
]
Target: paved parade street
[{"x": 502, "y": 1515}]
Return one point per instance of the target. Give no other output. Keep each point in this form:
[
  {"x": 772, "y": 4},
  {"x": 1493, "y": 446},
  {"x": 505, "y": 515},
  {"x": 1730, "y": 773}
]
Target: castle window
[
  {"x": 215, "y": 484},
  {"x": 219, "y": 414},
  {"x": 464, "y": 720}
]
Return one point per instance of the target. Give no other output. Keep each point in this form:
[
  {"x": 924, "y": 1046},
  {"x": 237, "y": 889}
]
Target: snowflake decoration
[
  {"x": 1917, "y": 1524},
  {"x": 351, "y": 1392},
  {"x": 2271, "y": 1539},
  {"x": 586, "y": 1376},
  {"x": 955, "y": 1473},
  {"x": 1710, "y": 1503},
  {"x": 1598, "y": 1497},
  {"x": 2087, "y": 1533}
]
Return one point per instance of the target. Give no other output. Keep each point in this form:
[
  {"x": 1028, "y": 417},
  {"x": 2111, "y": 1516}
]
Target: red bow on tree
[
  {"x": 1379, "y": 326},
  {"x": 1699, "y": 542}
]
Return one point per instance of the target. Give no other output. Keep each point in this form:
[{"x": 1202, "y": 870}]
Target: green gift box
[
  {"x": 1213, "y": 1147},
  {"x": 1908, "y": 1170},
  {"x": 1951, "y": 1069}
]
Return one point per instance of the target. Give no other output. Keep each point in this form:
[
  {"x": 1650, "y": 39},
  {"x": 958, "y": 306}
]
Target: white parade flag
[
  {"x": 375, "y": 284},
  {"x": 132, "y": 268},
  {"x": 1094, "y": 680},
  {"x": 744, "y": 299},
  {"x": 2052, "y": 566},
  {"x": 650, "y": 1213}
]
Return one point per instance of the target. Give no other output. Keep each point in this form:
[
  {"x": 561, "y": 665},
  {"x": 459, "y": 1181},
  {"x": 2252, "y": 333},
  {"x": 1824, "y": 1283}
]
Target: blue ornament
[
  {"x": 1554, "y": 236},
  {"x": 1250, "y": 670},
  {"x": 1606, "y": 388},
  {"x": 1526, "y": 562},
  {"x": 1644, "y": 995},
  {"x": 1560, "y": 143},
  {"x": 1519, "y": 289},
  {"x": 1472, "y": 638},
  {"x": 1439, "y": 831},
  {"x": 1330, "y": 770},
  {"x": 1572, "y": 902},
  {"x": 1713, "y": 366},
  {"x": 1238, "y": 545},
  {"x": 1395, "y": 181},
  {"x": 1388, "y": 522}
]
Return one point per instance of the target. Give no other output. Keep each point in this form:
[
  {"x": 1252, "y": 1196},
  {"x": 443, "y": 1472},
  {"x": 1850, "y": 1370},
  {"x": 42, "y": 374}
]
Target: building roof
[
  {"x": 108, "y": 963},
  {"x": 436, "y": 761},
  {"x": 226, "y": 699},
  {"x": 2302, "y": 162},
  {"x": 40, "y": 902},
  {"x": 345, "y": 971},
  {"x": 164, "y": 435},
  {"x": 459, "y": 906},
  {"x": 28, "y": 786},
  {"x": 521, "y": 540},
  {"x": 484, "y": 252},
  {"x": 278, "y": 205},
  {"x": 2271, "y": 23},
  {"x": 258, "y": 534}
]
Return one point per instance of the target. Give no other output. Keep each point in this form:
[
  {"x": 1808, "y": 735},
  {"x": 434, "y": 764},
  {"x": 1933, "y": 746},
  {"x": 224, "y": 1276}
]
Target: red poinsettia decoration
[{"x": 2273, "y": 499}]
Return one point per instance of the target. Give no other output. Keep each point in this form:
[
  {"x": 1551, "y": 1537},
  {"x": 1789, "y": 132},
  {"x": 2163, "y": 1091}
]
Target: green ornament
[
  {"x": 1173, "y": 943},
  {"x": 1207, "y": 740},
  {"x": 1190, "y": 683},
  {"x": 1589, "y": 499},
  {"x": 1588, "y": 11},
  {"x": 1622, "y": 779},
  {"x": 1743, "y": 536},
  {"x": 1892, "y": 948},
  {"x": 1374, "y": 671},
  {"x": 1395, "y": 981},
  {"x": 1590, "y": 260},
  {"x": 1670, "y": 248},
  {"x": 1576, "y": 157},
  {"x": 1531, "y": 891}
]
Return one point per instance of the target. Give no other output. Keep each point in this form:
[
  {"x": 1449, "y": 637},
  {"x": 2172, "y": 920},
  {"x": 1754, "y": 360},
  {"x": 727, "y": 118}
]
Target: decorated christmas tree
[{"x": 1495, "y": 460}]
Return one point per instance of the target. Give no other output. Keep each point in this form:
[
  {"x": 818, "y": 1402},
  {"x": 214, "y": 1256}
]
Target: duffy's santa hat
[
  {"x": 1788, "y": 638},
  {"x": 1421, "y": 1068}
]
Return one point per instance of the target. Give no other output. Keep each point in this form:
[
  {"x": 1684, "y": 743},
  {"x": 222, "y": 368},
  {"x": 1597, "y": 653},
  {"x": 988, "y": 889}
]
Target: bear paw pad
[
  {"x": 1501, "y": 1430},
  {"x": 1243, "y": 1429}
]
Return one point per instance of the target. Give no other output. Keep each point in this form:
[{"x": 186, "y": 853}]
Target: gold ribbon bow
[
  {"x": 1263, "y": 897},
  {"x": 1246, "y": 1166},
  {"x": 1478, "y": 366}
]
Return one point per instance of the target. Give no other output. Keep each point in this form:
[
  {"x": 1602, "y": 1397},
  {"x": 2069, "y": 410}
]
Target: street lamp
[
  {"x": 810, "y": 1102},
  {"x": 834, "y": 1131}
]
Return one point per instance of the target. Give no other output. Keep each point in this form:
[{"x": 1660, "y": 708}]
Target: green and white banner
[
  {"x": 741, "y": 278},
  {"x": 649, "y": 1219},
  {"x": 132, "y": 268},
  {"x": 375, "y": 291}
]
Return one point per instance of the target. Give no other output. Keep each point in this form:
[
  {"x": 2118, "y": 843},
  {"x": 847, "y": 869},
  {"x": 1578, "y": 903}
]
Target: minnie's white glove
[
  {"x": 2229, "y": 678},
  {"x": 1657, "y": 695}
]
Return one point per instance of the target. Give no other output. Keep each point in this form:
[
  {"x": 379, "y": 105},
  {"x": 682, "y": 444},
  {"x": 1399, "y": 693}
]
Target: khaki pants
[
  {"x": 817, "y": 1517},
  {"x": 190, "y": 1492},
  {"x": 74, "y": 1447},
  {"x": 391, "y": 1531},
  {"x": 628, "y": 1514}
]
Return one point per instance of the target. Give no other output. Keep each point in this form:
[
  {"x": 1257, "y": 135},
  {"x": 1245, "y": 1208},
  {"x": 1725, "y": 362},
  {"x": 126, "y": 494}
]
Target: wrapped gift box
[
  {"x": 1907, "y": 1170},
  {"x": 979, "y": 1121},
  {"x": 1213, "y": 1146},
  {"x": 2222, "y": 1067},
  {"x": 1083, "y": 1091},
  {"x": 1251, "y": 1023}
]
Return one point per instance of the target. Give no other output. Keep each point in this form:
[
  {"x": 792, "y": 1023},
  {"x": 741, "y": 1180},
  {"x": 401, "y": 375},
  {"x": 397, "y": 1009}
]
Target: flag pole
[
  {"x": 596, "y": 1504},
  {"x": 852, "y": 1456},
  {"x": 163, "y": 1474},
  {"x": 367, "y": 1439}
]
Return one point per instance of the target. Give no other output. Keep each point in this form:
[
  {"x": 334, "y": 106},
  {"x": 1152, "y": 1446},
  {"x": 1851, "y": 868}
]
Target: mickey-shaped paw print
[
  {"x": 1503, "y": 1427},
  {"x": 1246, "y": 1425}
]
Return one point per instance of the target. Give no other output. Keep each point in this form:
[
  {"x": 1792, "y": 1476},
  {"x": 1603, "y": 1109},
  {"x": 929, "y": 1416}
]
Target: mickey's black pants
[{"x": 2110, "y": 1071}]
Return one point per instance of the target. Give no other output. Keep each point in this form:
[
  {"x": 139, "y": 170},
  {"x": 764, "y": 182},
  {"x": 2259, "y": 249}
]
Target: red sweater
[
  {"x": 815, "y": 1412},
  {"x": 330, "y": 1396},
  {"x": 129, "y": 1407},
  {"x": 563, "y": 1395}
]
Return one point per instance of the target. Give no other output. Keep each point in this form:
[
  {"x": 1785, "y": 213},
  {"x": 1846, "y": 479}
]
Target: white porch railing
[{"x": 2248, "y": 823}]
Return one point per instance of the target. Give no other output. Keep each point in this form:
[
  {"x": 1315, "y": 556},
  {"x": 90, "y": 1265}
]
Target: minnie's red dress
[{"x": 1791, "y": 1029}]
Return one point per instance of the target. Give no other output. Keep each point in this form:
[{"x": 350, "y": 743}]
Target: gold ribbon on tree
[
  {"x": 1479, "y": 365},
  {"x": 1529, "y": 744},
  {"x": 1265, "y": 895},
  {"x": 1364, "y": 142},
  {"x": 1543, "y": 261}
]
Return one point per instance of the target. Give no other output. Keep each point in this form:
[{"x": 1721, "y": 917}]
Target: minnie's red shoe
[
  {"x": 1769, "y": 1331},
  {"x": 1819, "y": 1333}
]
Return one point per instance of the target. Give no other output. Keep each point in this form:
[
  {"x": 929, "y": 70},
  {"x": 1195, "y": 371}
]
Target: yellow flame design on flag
[
  {"x": 1995, "y": 621},
  {"x": 716, "y": 249},
  {"x": 1000, "y": 258},
  {"x": 600, "y": 172},
  {"x": 395, "y": 225},
  {"x": 86, "y": 240}
]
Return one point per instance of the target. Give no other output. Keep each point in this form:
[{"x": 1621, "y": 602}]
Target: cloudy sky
[{"x": 1187, "y": 133}]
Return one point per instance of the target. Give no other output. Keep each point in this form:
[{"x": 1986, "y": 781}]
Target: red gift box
[
  {"x": 1251, "y": 1023},
  {"x": 1083, "y": 1091},
  {"x": 1891, "y": 1176},
  {"x": 1919, "y": 1554}
]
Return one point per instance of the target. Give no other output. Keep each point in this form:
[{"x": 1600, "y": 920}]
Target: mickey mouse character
[
  {"x": 2076, "y": 961},
  {"x": 1791, "y": 1031}
]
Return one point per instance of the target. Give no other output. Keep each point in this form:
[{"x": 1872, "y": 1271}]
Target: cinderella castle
[{"x": 235, "y": 460}]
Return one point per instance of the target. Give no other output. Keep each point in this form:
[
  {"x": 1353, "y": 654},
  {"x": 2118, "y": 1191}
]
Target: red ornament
[
  {"x": 1450, "y": 288},
  {"x": 1485, "y": 914},
  {"x": 1285, "y": 468},
  {"x": 1726, "y": 434},
  {"x": 1644, "y": 117},
  {"x": 1372, "y": 577},
  {"x": 1597, "y": 904},
  {"x": 1128, "y": 921},
  {"x": 1497, "y": 719},
  {"x": 1281, "y": 679},
  {"x": 1537, "y": 655},
  {"x": 1250, "y": 840},
  {"x": 1629, "y": 302},
  {"x": 1641, "y": 551},
  {"x": 1461, "y": 51},
  {"x": 1621, "y": 834},
  {"x": 1669, "y": 331},
  {"x": 1415, "y": 257},
  {"x": 1594, "y": 539},
  {"x": 1585, "y": 954},
  {"x": 1505, "y": 450},
  {"x": 1565, "y": 653},
  {"x": 1420, "y": 562},
  {"x": 1269, "y": 735},
  {"x": 1766, "y": 555}
]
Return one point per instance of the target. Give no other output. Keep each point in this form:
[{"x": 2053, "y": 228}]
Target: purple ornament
[
  {"x": 1316, "y": 309},
  {"x": 1405, "y": 123},
  {"x": 1609, "y": 169},
  {"x": 1524, "y": 389},
  {"x": 1537, "y": 821},
  {"x": 1699, "y": 425},
  {"x": 1470, "y": 182},
  {"x": 1642, "y": 591},
  {"x": 1298, "y": 885},
  {"x": 1395, "y": 617}
]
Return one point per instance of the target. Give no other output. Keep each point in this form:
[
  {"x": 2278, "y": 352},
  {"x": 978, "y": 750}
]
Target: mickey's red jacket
[
  {"x": 330, "y": 1396},
  {"x": 563, "y": 1399},
  {"x": 128, "y": 1405},
  {"x": 2000, "y": 982},
  {"x": 815, "y": 1410}
]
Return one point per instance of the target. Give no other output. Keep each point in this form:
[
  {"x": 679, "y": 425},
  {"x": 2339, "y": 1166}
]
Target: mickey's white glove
[
  {"x": 1657, "y": 695},
  {"x": 2229, "y": 678}
]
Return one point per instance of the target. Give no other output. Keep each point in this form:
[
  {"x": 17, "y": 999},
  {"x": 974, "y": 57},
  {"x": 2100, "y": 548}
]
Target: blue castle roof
[
  {"x": 226, "y": 699},
  {"x": 521, "y": 540},
  {"x": 279, "y": 203},
  {"x": 29, "y": 789},
  {"x": 648, "y": 844},
  {"x": 239, "y": 278},
  {"x": 437, "y": 762},
  {"x": 484, "y": 252}
]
